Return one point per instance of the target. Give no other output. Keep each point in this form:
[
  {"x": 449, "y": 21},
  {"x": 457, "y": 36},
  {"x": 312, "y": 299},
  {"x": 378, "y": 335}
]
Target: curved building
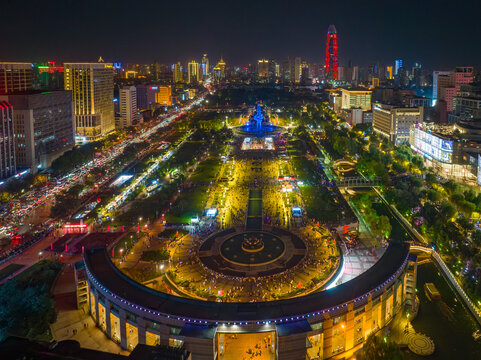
[{"x": 320, "y": 325}]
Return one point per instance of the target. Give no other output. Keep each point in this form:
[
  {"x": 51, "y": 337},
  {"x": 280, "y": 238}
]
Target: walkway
[{"x": 70, "y": 320}]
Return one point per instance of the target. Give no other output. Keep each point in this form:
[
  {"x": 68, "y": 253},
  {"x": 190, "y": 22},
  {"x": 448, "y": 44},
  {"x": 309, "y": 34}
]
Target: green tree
[
  {"x": 433, "y": 195},
  {"x": 447, "y": 211}
]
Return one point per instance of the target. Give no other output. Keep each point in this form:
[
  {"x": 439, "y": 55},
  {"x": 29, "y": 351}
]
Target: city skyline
[{"x": 366, "y": 34}]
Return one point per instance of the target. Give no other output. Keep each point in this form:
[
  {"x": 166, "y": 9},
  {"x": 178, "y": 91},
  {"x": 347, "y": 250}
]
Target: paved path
[{"x": 70, "y": 319}]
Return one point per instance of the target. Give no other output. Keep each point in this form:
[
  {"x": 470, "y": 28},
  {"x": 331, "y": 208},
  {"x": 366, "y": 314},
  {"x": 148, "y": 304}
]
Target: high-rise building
[
  {"x": 164, "y": 95},
  {"x": 7, "y": 139},
  {"x": 440, "y": 79},
  {"x": 15, "y": 77},
  {"x": 331, "y": 53},
  {"x": 177, "y": 73},
  {"x": 193, "y": 73},
  {"x": 205, "y": 65},
  {"x": 92, "y": 85},
  {"x": 43, "y": 127},
  {"x": 127, "y": 107},
  {"x": 398, "y": 64},
  {"x": 395, "y": 122},
  {"x": 389, "y": 73},
  {"x": 297, "y": 70},
  {"x": 286, "y": 70},
  {"x": 155, "y": 70},
  {"x": 219, "y": 70},
  {"x": 262, "y": 68}
]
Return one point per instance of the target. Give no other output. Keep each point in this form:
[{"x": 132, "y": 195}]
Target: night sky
[{"x": 438, "y": 34}]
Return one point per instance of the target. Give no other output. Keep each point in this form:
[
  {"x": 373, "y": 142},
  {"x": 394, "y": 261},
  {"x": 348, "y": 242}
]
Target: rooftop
[{"x": 102, "y": 269}]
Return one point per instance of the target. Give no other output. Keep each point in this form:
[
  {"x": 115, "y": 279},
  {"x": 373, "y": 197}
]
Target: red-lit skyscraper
[{"x": 331, "y": 53}]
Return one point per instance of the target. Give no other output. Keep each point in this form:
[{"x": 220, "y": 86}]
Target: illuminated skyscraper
[
  {"x": 128, "y": 107},
  {"x": 219, "y": 70},
  {"x": 389, "y": 74},
  {"x": 262, "y": 68},
  {"x": 397, "y": 65},
  {"x": 193, "y": 73},
  {"x": 92, "y": 85},
  {"x": 331, "y": 53},
  {"x": 205, "y": 65},
  {"x": 7, "y": 139},
  {"x": 297, "y": 70},
  {"x": 178, "y": 78}
]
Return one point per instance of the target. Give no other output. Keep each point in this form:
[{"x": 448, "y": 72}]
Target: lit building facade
[
  {"x": 92, "y": 85},
  {"x": 164, "y": 95},
  {"x": 44, "y": 127},
  {"x": 262, "y": 68},
  {"x": 323, "y": 325},
  {"x": 219, "y": 70},
  {"x": 177, "y": 73},
  {"x": 127, "y": 107},
  {"x": 15, "y": 77},
  {"x": 50, "y": 76},
  {"x": 395, "y": 122},
  {"x": 8, "y": 165},
  {"x": 446, "y": 149},
  {"x": 297, "y": 70},
  {"x": 205, "y": 65},
  {"x": 193, "y": 72},
  {"x": 398, "y": 64},
  {"x": 356, "y": 99}
]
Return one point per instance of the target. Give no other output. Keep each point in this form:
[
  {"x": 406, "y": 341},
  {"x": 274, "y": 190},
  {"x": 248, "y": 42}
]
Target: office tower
[
  {"x": 127, "y": 107},
  {"x": 398, "y": 64},
  {"x": 219, "y": 70},
  {"x": 462, "y": 75},
  {"x": 375, "y": 82},
  {"x": 177, "y": 73},
  {"x": 15, "y": 77},
  {"x": 395, "y": 122},
  {"x": 440, "y": 79},
  {"x": 297, "y": 70},
  {"x": 43, "y": 127},
  {"x": 331, "y": 53},
  {"x": 141, "y": 91},
  {"x": 277, "y": 70},
  {"x": 389, "y": 73},
  {"x": 286, "y": 70},
  {"x": 355, "y": 74},
  {"x": 340, "y": 73},
  {"x": 205, "y": 65},
  {"x": 305, "y": 79},
  {"x": 7, "y": 139},
  {"x": 356, "y": 99},
  {"x": 262, "y": 68},
  {"x": 50, "y": 76},
  {"x": 92, "y": 85},
  {"x": 193, "y": 73},
  {"x": 164, "y": 95}
]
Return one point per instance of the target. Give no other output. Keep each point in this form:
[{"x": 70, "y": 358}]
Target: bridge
[{"x": 358, "y": 181}]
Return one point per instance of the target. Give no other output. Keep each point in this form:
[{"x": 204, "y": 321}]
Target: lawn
[
  {"x": 9, "y": 270},
  {"x": 206, "y": 171},
  {"x": 190, "y": 203}
]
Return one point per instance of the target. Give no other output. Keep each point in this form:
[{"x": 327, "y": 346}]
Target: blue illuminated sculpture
[{"x": 258, "y": 123}]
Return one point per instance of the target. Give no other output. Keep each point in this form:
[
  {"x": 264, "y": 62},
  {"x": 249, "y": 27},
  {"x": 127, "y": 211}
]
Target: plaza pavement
[{"x": 69, "y": 318}]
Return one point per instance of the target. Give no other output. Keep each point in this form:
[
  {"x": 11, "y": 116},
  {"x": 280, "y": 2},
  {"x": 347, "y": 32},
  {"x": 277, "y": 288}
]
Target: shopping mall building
[{"x": 329, "y": 324}]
